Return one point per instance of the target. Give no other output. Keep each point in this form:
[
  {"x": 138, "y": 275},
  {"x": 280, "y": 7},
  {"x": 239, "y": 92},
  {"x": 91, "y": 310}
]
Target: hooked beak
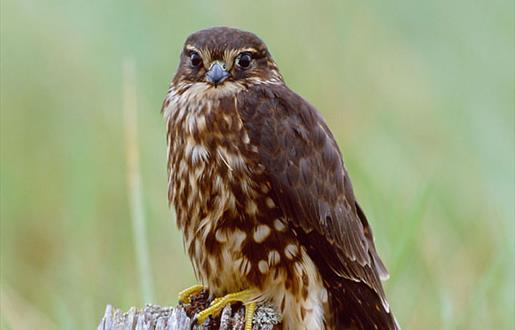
[{"x": 217, "y": 73}]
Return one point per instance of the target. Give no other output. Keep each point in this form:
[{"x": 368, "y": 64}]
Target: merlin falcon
[{"x": 261, "y": 193}]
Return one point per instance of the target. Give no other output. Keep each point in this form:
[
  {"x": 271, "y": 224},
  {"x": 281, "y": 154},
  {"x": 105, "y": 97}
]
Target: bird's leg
[
  {"x": 184, "y": 295},
  {"x": 250, "y": 309},
  {"x": 219, "y": 303}
]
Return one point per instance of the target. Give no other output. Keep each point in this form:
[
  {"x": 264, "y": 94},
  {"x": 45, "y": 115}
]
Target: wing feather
[{"x": 310, "y": 182}]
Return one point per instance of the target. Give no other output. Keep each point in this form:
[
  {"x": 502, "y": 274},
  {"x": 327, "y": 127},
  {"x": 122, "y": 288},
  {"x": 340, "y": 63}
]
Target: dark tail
[{"x": 355, "y": 305}]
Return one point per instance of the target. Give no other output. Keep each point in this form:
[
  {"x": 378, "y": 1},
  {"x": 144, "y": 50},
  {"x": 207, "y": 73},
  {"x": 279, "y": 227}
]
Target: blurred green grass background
[{"x": 420, "y": 95}]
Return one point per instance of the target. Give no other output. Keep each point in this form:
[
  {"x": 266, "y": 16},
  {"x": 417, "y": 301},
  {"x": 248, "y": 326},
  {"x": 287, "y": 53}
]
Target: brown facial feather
[
  {"x": 218, "y": 39},
  {"x": 261, "y": 192},
  {"x": 225, "y": 45}
]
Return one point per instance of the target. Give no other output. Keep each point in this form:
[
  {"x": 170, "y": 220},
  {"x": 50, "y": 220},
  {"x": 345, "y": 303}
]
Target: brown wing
[{"x": 311, "y": 184}]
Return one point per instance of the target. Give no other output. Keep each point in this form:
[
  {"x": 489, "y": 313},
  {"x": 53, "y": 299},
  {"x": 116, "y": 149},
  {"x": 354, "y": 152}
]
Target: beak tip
[{"x": 216, "y": 74}]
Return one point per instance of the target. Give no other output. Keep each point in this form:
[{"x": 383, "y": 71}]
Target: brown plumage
[{"x": 261, "y": 192}]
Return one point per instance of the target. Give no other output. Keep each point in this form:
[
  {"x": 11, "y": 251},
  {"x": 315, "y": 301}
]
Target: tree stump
[{"x": 157, "y": 317}]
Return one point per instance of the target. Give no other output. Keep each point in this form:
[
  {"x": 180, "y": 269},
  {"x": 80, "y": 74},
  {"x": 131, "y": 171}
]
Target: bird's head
[{"x": 223, "y": 58}]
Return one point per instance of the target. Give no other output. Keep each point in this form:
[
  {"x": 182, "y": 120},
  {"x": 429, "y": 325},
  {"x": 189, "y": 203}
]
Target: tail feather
[{"x": 355, "y": 306}]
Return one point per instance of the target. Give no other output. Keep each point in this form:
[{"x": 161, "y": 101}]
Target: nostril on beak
[{"x": 217, "y": 73}]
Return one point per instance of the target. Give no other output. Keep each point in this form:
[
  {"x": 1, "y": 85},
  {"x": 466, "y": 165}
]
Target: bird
[{"x": 261, "y": 193}]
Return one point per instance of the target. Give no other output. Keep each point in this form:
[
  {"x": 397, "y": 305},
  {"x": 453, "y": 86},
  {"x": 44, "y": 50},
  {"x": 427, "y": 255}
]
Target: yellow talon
[
  {"x": 250, "y": 309},
  {"x": 219, "y": 303},
  {"x": 184, "y": 295},
  {"x": 215, "y": 301}
]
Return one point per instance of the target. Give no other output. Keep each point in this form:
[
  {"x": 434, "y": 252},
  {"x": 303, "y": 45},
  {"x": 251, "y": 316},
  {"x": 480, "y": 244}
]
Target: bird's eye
[
  {"x": 195, "y": 59},
  {"x": 244, "y": 60}
]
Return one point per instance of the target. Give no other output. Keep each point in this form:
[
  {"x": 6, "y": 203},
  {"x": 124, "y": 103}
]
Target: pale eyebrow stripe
[
  {"x": 190, "y": 47},
  {"x": 239, "y": 50},
  {"x": 250, "y": 49},
  {"x": 204, "y": 53},
  {"x": 230, "y": 54}
]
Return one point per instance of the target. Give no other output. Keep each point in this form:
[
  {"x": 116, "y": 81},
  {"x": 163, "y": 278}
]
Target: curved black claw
[{"x": 194, "y": 322}]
